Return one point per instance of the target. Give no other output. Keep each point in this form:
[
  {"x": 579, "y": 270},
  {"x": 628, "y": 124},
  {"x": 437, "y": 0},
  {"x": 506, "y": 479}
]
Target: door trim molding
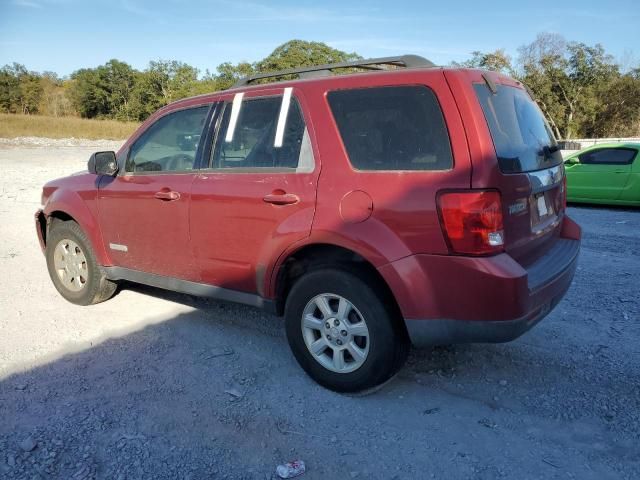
[{"x": 190, "y": 288}]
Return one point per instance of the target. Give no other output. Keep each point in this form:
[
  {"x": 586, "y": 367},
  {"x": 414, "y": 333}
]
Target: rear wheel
[
  {"x": 72, "y": 265},
  {"x": 343, "y": 330}
]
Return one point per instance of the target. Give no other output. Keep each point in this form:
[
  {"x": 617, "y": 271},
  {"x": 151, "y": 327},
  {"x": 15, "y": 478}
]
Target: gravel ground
[{"x": 159, "y": 385}]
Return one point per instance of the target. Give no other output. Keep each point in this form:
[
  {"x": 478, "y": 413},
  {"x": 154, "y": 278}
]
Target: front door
[
  {"x": 144, "y": 211},
  {"x": 258, "y": 195}
]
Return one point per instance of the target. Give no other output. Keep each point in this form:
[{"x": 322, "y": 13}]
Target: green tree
[
  {"x": 117, "y": 79},
  {"x": 30, "y": 93},
  {"x": 300, "y": 53},
  {"x": 619, "y": 108},
  {"x": 229, "y": 74},
  {"x": 498, "y": 61},
  {"x": 172, "y": 80},
  {"x": 88, "y": 94},
  {"x": 103, "y": 91},
  {"x": 565, "y": 78},
  {"x": 54, "y": 100},
  {"x": 10, "y": 87},
  {"x": 145, "y": 97},
  {"x": 161, "y": 83},
  {"x": 20, "y": 89}
]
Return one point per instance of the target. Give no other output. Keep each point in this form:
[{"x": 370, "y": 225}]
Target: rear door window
[
  {"x": 392, "y": 128},
  {"x": 608, "y": 156},
  {"x": 520, "y": 133},
  {"x": 251, "y": 139}
]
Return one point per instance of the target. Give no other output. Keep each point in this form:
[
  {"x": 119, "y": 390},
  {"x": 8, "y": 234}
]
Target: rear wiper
[
  {"x": 547, "y": 150},
  {"x": 553, "y": 148}
]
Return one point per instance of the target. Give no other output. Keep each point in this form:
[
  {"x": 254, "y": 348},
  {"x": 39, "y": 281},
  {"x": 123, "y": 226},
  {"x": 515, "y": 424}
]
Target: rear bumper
[
  {"x": 448, "y": 299},
  {"x": 443, "y": 331}
]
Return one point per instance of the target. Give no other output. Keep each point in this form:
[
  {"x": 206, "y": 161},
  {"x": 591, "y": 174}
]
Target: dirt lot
[{"x": 158, "y": 385}]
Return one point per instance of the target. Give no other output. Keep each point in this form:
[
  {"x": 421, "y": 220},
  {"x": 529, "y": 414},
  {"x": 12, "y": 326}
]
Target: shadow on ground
[{"x": 215, "y": 393}]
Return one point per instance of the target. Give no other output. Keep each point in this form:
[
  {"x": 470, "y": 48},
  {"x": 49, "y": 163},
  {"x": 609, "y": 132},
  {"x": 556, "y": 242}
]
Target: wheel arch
[
  {"x": 69, "y": 206},
  {"x": 313, "y": 256}
]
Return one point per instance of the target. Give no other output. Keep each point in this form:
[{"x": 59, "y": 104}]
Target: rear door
[
  {"x": 144, "y": 211},
  {"x": 257, "y": 195},
  {"x": 601, "y": 173}
]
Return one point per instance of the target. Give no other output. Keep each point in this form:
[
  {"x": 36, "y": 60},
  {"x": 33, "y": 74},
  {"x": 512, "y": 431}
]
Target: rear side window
[
  {"x": 170, "y": 144},
  {"x": 608, "y": 156},
  {"x": 520, "y": 133},
  {"x": 252, "y": 143},
  {"x": 392, "y": 128}
]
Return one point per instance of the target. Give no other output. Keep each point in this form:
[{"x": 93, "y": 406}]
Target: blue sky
[{"x": 64, "y": 35}]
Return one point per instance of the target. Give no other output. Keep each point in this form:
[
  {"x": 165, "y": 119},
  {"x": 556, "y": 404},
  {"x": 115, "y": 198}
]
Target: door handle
[
  {"x": 278, "y": 198},
  {"x": 167, "y": 195}
]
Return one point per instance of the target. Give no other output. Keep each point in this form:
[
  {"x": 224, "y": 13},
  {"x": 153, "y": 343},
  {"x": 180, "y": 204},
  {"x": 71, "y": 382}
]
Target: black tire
[
  {"x": 389, "y": 344},
  {"x": 97, "y": 288}
]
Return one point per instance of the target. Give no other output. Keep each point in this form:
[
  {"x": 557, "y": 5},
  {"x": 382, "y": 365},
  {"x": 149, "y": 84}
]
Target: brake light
[{"x": 472, "y": 221}]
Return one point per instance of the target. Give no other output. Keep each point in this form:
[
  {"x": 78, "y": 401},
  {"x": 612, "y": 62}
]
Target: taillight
[
  {"x": 564, "y": 192},
  {"x": 472, "y": 221}
]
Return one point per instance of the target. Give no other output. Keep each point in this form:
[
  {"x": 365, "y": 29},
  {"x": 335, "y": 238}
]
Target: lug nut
[
  {"x": 336, "y": 322},
  {"x": 326, "y": 325},
  {"x": 339, "y": 342},
  {"x": 343, "y": 333},
  {"x": 329, "y": 337}
]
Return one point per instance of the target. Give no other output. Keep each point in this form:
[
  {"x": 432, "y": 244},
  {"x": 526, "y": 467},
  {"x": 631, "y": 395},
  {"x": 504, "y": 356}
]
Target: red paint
[
  {"x": 155, "y": 230},
  {"x": 520, "y": 242},
  {"x": 356, "y": 207},
  {"x": 235, "y": 230}
]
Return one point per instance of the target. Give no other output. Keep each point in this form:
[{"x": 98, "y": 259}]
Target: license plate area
[{"x": 542, "y": 209}]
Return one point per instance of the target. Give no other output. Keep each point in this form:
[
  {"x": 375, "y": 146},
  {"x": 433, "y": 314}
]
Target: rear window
[
  {"x": 521, "y": 135},
  {"x": 392, "y": 128}
]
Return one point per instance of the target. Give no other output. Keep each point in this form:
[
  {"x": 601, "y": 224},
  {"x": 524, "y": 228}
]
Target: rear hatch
[{"x": 529, "y": 172}]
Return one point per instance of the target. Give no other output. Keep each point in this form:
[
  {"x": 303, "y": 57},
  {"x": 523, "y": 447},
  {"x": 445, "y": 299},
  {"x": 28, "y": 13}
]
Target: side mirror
[
  {"x": 572, "y": 160},
  {"x": 103, "y": 163}
]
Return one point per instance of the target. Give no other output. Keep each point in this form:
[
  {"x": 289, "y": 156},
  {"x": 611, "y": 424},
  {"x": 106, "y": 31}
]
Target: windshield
[{"x": 521, "y": 135}]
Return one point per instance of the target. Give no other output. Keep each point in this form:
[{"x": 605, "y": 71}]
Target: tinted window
[
  {"x": 170, "y": 144},
  {"x": 252, "y": 144},
  {"x": 608, "y": 156},
  {"x": 392, "y": 128},
  {"x": 521, "y": 135}
]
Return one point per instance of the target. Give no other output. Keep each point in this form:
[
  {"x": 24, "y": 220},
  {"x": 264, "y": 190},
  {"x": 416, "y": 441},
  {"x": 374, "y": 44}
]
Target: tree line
[
  {"x": 582, "y": 90},
  {"x": 116, "y": 90}
]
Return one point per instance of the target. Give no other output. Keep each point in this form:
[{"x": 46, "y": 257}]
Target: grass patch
[{"x": 12, "y": 125}]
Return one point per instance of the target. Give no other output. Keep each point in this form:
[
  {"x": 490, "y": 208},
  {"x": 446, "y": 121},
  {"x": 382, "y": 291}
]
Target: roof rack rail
[{"x": 407, "y": 61}]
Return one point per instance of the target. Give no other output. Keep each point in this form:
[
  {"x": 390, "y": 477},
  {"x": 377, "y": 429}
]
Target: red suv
[{"x": 406, "y": 204}]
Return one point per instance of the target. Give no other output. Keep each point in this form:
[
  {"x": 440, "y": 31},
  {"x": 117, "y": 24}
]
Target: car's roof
[
  {"x": 351, "y": 78},
  {"x": 332, "y": 78},
  {"x": 307, "y": 81}
]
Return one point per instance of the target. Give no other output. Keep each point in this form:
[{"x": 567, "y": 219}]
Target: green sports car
[{"x": 607, "y": 173}]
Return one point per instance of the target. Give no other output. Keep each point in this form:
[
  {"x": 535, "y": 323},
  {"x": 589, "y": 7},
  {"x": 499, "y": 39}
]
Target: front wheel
[
  {"x": 344, "y": 331},
  {"x": 72, "y": 266}
]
